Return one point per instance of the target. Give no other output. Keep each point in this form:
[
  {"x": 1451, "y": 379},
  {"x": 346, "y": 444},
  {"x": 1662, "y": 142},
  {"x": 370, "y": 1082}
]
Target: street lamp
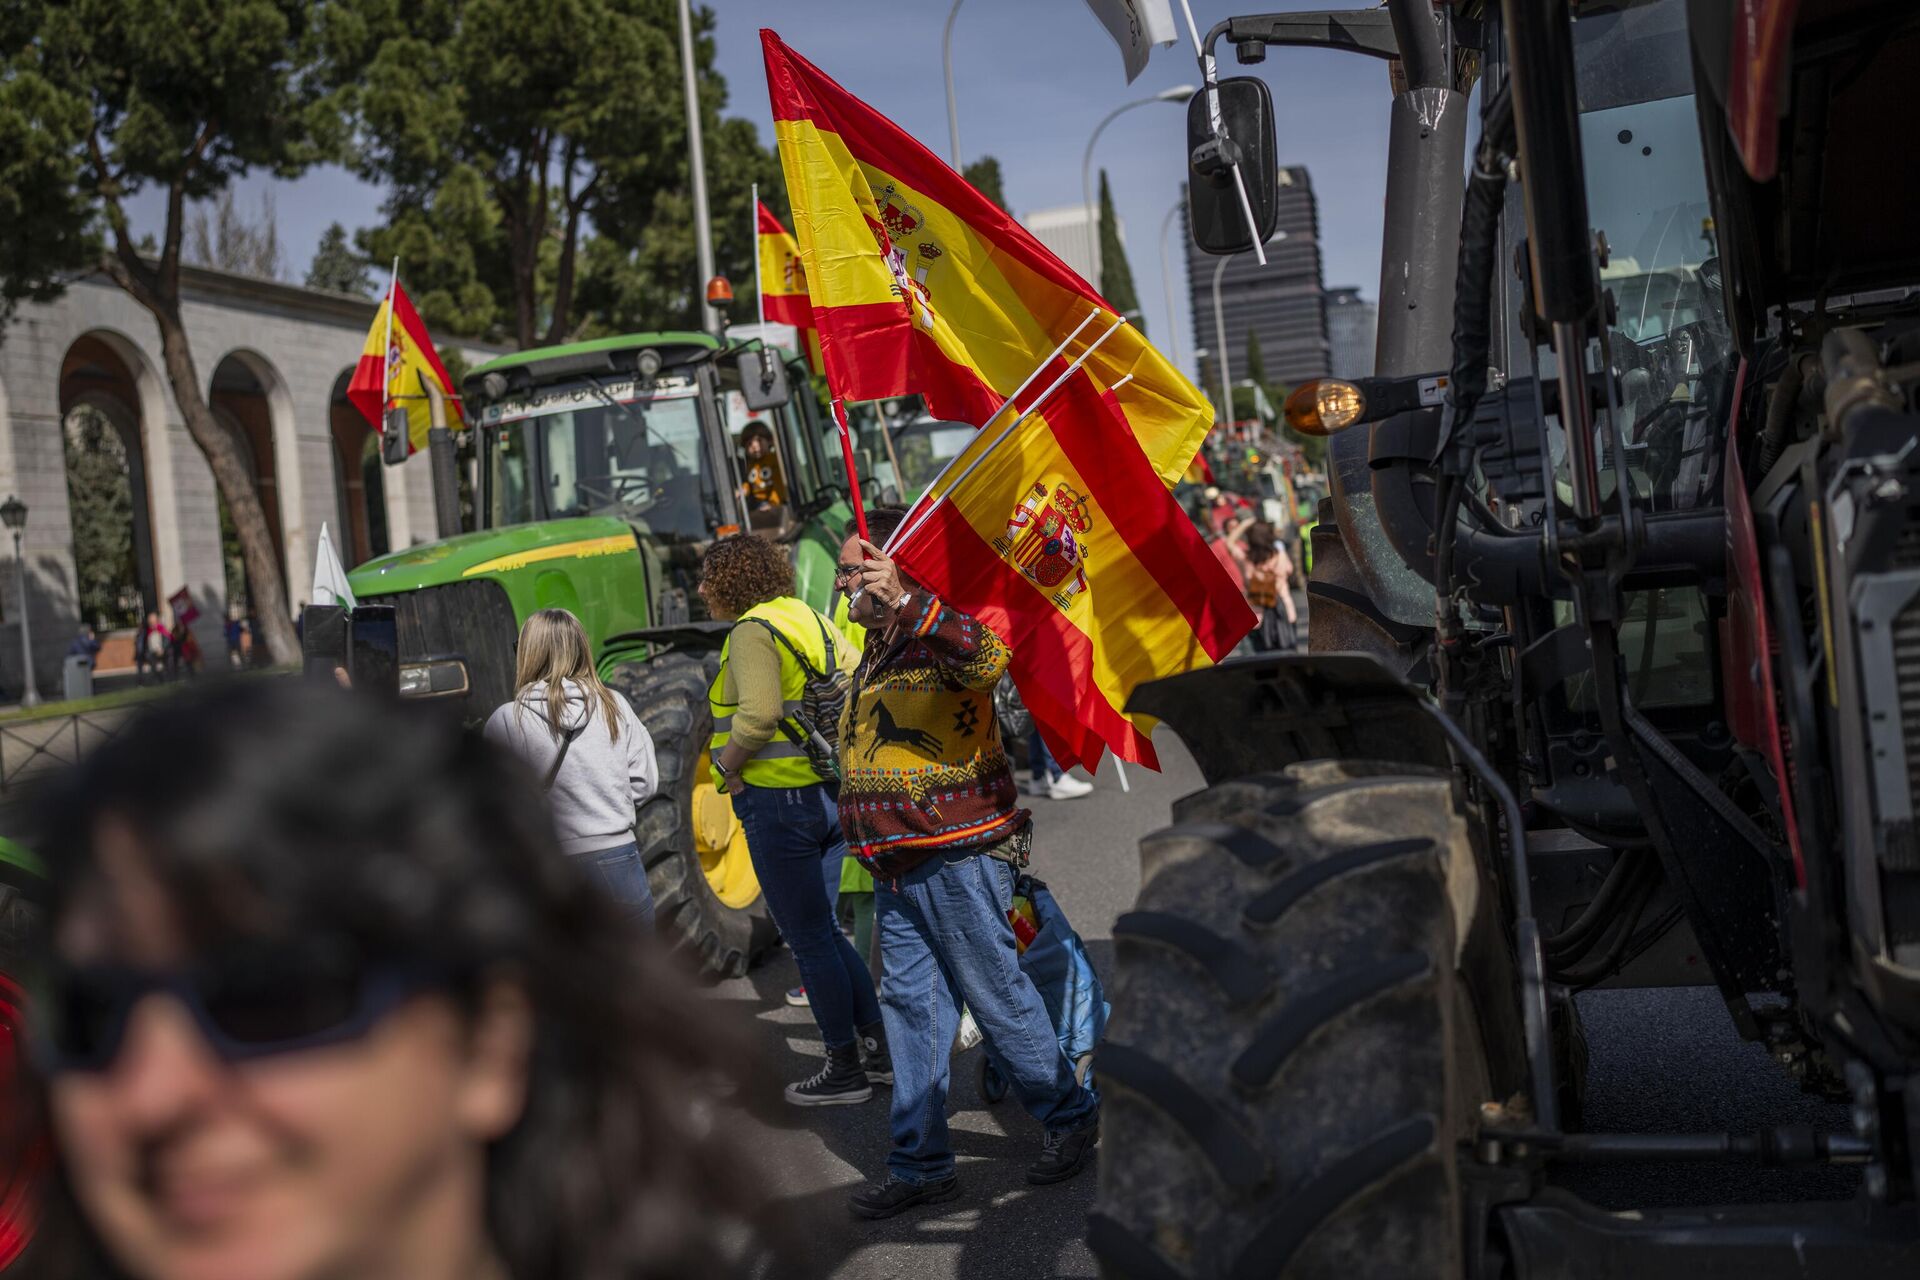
[
  {"x": 953, "y": 112},
  {"x": 1179, "y": 93},
  {"x": 1166, "y": 281},
  {"x": 14, "y": 513},
  {"x": 1220, "y": 333},
  {"x": 697, "y": 161}
]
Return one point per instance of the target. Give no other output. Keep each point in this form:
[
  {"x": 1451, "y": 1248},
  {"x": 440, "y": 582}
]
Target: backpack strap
[
  {"x": 553, "y": 770},
  {"x": 791, "y": 648}
]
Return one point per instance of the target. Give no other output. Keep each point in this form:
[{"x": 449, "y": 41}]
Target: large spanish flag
[
  {"x": 783, "y": 282},
  {"x": 921, "y": 284},
  {"x": 394, "y": 367},
  {"x": 1066, "y": 542}
]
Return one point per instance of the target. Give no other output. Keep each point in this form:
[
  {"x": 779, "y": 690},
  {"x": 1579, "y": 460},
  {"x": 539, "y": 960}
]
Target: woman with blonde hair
[{"x": 594, "y": 755}]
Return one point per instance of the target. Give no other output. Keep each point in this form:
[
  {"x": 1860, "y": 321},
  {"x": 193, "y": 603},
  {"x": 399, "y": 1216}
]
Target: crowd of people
[{"x": 333, "y": 989}]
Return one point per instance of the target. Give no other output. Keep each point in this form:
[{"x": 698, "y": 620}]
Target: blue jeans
[
  {"x": 945, "y": 941},
  {"x": 625, "y": 880},
  {"x": 1040, "y": 761},
  {"x": 793, "y": 836}
]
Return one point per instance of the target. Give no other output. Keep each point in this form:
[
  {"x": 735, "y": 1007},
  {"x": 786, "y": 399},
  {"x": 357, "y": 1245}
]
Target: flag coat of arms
[
  {"x": 920, "y": 284},
  {"x": 394, "y": 367}
]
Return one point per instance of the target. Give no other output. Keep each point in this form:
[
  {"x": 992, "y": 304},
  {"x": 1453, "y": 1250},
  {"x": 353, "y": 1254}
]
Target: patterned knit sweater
[{"x": 922, "y": 769}]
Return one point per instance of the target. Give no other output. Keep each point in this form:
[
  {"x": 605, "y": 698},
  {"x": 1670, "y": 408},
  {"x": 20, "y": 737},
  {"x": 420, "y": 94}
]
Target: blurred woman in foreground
[{"x": 325, "y": 1000}]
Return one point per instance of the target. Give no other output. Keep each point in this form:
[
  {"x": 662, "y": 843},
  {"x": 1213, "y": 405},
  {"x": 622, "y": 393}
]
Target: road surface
[{"x": 1665, "y": 1060}]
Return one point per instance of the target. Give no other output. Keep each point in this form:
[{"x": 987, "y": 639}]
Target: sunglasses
[{"x": 250, "y": 1004}]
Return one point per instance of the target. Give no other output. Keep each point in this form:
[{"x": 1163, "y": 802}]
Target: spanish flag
[
  {"x": 783, "y": 283},
  {"x": 921, "y": 284},
  {"x": 394, "y": 367},
  {"x": 1067, "y": 543}
]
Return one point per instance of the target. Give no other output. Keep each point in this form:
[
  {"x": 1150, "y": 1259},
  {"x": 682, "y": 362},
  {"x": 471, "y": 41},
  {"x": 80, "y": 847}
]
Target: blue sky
[{"x": 1032, "y": 79}]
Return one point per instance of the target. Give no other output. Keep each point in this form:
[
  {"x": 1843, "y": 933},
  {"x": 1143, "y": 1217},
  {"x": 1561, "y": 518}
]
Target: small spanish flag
[
  {"x": 394, "y": 367},
  {"x": 783, "y": 283}
]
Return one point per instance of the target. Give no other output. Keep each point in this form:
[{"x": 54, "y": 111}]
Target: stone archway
[
  {"x": 104, "y": 415},
  {"x": 359, "y": 479}
]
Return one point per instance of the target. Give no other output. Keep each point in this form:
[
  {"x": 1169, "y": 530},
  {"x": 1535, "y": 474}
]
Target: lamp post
[
  {"x": 14, "y": 513},
  {"x": 1166, "y": 282},
  {"x": 1179, "y": 93},
  {"x": 953, "y": 112},
  {"x": 697, "y": 160},
  {"x": 1220, "y": 333}
]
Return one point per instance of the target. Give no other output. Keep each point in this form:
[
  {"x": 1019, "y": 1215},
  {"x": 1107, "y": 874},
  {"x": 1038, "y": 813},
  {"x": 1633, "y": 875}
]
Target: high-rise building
[
  {"x": 1352, "y": 323},
  {"x": 1281, "y": 302},
  {"x": 1073, "y": 236}
]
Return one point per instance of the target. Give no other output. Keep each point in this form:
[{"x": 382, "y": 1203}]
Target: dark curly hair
[
  {"x": 275, "y": 809},
  {"x": 743, "y": 571}
]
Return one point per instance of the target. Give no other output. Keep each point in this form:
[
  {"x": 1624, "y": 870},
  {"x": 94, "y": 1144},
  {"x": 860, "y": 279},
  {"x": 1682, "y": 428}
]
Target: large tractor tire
[
  {"x": 1294, "y": 1051},
  {"x": 695, "y": 852}
]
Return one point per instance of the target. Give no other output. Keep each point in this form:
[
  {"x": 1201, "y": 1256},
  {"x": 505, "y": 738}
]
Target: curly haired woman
[{"x": 789, "y": 810}]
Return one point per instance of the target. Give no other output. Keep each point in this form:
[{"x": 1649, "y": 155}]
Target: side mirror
[
  {"x": 1213, "y": 202},
  {"x": 393, "y": 438},
  {"x": 763, "y": 380}
]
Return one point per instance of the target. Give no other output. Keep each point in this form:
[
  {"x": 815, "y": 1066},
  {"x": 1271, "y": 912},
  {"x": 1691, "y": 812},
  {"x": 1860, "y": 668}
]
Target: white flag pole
[
  {"x": 906, "y": 531},
  {"x": 934, "y": 485},
  {"x": 386, "y": 346},
  {"x": 1209, "y": 73},
  {"x": 759, "y": 290}
]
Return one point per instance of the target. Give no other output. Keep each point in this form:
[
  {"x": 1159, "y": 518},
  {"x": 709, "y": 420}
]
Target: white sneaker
[{"x": 1068, "y": 787}]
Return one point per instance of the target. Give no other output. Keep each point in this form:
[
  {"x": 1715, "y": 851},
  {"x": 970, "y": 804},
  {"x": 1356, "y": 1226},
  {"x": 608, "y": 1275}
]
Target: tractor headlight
[
  {"x": 1324, "y": 406},
  {"x": 434, "y": 678}
]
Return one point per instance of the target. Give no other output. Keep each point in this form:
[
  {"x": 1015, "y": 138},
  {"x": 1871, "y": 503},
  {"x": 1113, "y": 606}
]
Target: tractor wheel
[
  {"x": 1294, "y": 1052},
  {"x": 694, "y": 849}
]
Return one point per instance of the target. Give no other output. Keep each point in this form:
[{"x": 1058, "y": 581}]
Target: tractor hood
[
  {"x": 493, "y": 551},
  {"x": 1802, "y": 106}
]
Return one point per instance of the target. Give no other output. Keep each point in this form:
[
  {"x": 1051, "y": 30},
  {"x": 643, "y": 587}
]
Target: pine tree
[
  {"x": 1257, "y": 367},
  {"x": 1116, "y": 278},
  {"x": 336, "y": 267},
  {"x": 984, "y": 174}
]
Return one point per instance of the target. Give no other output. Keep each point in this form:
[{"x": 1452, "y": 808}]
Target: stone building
[{"x": 275, "y": 360}]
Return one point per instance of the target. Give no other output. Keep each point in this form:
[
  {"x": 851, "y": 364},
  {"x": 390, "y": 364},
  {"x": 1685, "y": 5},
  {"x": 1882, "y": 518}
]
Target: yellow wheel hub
[{"x": 721, "y": 843}]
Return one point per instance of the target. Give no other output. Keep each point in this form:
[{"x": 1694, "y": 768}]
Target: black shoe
[
  {"x": 1062, "y": 1153},
  {"x": 841, "y": 1083},
  {"x": 874, "y": 1058},
  {"x": 889, "y": 1196}
]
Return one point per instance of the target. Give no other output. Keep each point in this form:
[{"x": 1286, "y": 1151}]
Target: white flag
[
  {"x": 1136, "y": 26},
  {"x": 329, "y": 575}
]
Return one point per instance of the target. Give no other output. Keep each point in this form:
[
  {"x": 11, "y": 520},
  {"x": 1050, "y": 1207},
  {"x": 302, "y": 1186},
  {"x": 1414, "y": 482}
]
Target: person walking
[
  {"x": 1269, "y": 589},
  {"x": 591, "y": 752},
  {"x": 786, "y": 805},
  {"x": 151, "y": 648},
  {"x": 324, "y": 1000},
  {"x": 930, "y": 806}
]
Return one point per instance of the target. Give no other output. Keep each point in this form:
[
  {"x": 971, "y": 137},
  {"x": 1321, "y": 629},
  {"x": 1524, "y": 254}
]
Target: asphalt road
[{"x": 1660, "y": 1061}]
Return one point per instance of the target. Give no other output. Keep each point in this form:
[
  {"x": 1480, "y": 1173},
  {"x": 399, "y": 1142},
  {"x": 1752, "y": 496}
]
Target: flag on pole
[
  {"x": 920, "y": 284},
  {"x": 783, "y": 283},
  {"x": 330, "y": 584},
  {"x": 394, "y": 366},
  {"x": 1137, "y": 26},
  {"x": 1070, "y": 547}
]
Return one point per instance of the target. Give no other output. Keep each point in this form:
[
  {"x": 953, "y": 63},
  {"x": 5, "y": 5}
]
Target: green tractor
[{"x": 605, "y": 470}]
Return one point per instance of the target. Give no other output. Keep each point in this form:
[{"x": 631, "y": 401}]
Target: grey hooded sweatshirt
[{"x": 600, "y": 782}]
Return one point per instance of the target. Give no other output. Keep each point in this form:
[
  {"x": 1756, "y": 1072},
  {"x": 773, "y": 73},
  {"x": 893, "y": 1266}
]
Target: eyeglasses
[
  {"x": 843, "y": 574},
  {"x": 247, "y": 1005}
]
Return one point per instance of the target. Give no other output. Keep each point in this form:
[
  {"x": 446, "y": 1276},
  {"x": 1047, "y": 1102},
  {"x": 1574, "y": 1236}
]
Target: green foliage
[
  {"x": 1256, "y": 366},
  {"x": 984, "y": 174},
  {"x": 337, "y": 267},
  {"x": 100, "y": 507},
  {"x": 1116, "y": 277},
  {"x": 537, "y": 168}
]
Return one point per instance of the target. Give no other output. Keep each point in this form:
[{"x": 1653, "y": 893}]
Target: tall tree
[
  {"x": 337, "y": 267},
  {"x": 1257, "y": 366},
  {"x": 103, "y": 99},
  {"x": 509, "y": 146},
  {"x": 100, "y": 507},
  {"x": 984, "y": 174},
  {"x": 227, "y": 240},
  {"x": 1116, "y": 277}
]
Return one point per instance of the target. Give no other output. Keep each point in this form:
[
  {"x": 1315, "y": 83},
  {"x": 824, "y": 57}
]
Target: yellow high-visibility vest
[{"x": 782, "y": 762}]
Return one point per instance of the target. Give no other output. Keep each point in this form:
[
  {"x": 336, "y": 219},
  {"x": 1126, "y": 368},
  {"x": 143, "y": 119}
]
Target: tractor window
[{"x": 612, "y": 448}]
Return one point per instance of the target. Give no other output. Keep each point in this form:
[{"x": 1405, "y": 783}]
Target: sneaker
[
  {"x": 797, "y": 997},
  {"x": 841, "y": 1083},
  {"x": 1062, "y": 1154},
  {"x": 1068, "y": 787},
  {"x": 885, "y": 1198},
  {"x": 874, "y": 1058}
]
